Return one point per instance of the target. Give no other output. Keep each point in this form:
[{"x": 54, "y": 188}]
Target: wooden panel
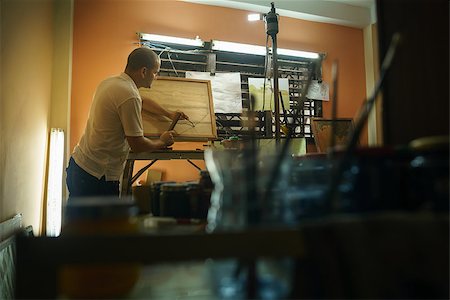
[
  {"x": 322, "y": 132},
  {"x": 191, "y": 96}
]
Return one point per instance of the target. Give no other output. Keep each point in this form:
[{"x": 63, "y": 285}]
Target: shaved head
[{"x": 142, "y": 57}]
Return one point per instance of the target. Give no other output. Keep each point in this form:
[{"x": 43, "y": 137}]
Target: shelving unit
[{"x": 176, "y": 60}]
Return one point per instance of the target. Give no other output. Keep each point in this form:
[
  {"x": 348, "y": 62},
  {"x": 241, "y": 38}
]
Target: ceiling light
[
  {"x": 171, "y": 39},
  {"x": 238, "y": 47},
  {"x": 259, "y": 50},
  {"x": 296, "y": 53}
]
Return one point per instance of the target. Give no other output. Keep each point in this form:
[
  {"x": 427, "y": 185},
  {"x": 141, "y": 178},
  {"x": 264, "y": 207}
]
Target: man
[{"x": 114, "y": 126}]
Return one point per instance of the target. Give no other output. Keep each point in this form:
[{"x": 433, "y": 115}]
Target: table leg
[{"x": 125, "y": 189}]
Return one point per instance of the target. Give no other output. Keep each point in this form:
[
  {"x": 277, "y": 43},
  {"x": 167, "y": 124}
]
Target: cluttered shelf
[{"x": 375, "y": 255}]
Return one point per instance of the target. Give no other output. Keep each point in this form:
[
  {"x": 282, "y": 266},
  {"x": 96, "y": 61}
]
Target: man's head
[{"x": 143, "y": 66}]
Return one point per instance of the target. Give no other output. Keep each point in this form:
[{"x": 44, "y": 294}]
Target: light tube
[
  {"x": 55, "y": 182},
  {"x": 227, "y": 46},
  {"x": 238, "y": 47},
  {"x": 172, "y": 40},
  {"x": 297, "y": 53},
  {"x": 259, "y": 50}
]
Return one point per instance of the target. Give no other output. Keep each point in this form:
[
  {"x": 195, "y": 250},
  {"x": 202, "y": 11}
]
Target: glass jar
[
  {"x": 233, "y": 208},
  {"x": 429, "y": 173},
  {"x": 99, "y": 216},
  {"x": 374, "y": 180},
  {"x": 206, "y": 187}
]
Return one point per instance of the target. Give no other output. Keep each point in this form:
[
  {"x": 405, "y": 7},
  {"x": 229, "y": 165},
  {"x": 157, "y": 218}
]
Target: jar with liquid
[{"x": 99, "y": 216}]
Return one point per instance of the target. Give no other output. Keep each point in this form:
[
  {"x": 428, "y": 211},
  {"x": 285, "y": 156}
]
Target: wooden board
[
  {"x": 322, "y": 132},
  {"x": 191, "y": 96}
]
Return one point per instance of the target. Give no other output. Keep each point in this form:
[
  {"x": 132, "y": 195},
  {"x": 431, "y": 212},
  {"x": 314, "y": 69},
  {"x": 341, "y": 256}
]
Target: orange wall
[{"x": 105, "y": 33}]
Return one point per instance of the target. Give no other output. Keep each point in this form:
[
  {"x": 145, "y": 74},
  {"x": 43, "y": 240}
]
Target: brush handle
[{"x": 175, "y": 121}]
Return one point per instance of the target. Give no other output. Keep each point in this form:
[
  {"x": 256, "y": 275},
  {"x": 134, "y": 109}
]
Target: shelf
[{"x": 374, "y": 255}]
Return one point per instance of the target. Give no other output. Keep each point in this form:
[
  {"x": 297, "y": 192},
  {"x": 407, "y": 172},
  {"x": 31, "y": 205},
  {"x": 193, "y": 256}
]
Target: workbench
[{"x": 128, "y": 179}]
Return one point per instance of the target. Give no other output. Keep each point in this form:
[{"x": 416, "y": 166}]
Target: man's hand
[
  {"x": 153, "y": 107},
  {"x": 143, "y": 144},
  {"x": 167, "y": 138}
]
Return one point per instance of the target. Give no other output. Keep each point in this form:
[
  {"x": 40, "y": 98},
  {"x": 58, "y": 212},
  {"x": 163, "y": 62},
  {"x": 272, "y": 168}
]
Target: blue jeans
[{"x": 82, "y": 184}]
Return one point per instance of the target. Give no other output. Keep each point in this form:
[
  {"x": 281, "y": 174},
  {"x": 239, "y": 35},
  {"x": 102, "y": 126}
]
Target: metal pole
[
  {"x": 272, "y": 30},
  {"x": 276, "y": 88}
]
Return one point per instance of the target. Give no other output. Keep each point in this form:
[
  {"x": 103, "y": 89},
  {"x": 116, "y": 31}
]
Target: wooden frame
[
  {"x": 321, "y": 129},
  {"x": 191, "y": 96}
]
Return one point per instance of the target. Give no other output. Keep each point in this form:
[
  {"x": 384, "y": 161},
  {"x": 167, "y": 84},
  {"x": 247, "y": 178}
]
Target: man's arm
[
  {"x": 143, "y": 144},
  {"x": 154, "y": 108}
]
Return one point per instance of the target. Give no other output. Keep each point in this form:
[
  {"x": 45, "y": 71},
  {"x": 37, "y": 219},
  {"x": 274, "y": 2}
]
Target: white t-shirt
[{"x": 115, "y": 113}]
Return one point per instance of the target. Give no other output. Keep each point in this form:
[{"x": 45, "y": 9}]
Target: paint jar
[
  {"x": 174, "y": 201},
  {"x": 155, "y": 191},
  {"x": 91, "y": 217},
  {"x": 195, "y": 197}
]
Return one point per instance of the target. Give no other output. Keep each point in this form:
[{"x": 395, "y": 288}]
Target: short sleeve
[{"x": 131, "y": 117}]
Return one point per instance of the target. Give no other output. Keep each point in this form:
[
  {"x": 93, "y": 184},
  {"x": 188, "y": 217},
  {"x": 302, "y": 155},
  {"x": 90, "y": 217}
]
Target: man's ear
[{"x": 143, "y": 71}]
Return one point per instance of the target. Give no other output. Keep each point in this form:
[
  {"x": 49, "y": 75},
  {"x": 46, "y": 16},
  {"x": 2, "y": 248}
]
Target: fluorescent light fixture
[
  {"x": 55, "y": 182},
  {"x": 259, "y": 50},
  {"x": 254, "y": 17},
  {"x": 238, "y": 47},
  {"x": 172, "y": 40},
  {"x": 296, "y": 53}
]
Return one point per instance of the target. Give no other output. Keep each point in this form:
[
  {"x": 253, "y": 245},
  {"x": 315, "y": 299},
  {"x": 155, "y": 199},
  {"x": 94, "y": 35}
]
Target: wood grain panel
[{"x": 191, "y": 96}]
